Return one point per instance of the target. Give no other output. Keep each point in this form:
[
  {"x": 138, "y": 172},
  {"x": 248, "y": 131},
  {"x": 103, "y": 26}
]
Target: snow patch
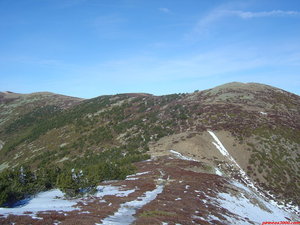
[
  {"x": 246, "y": 179},
  {"x": 198, "y": 217},
  {"x": 126, "y": 211},
  {"x": 220, "y": 146},
  {"x": 148, "y": 160},
  {"x": 224, "y": 152},
  {"x": 180, "y": 156},
  {"x": 84, "y": 212},
  {"x": 247, "y": 204},
  {"x": 44, "y": 201},
  {"x": 112, "y": 190},
  {"x": 132, "y": 178},
  {"x": 218, "y": 172},
  {"x": 138, "y": 174},
  {"x": 54, "y": 200}
]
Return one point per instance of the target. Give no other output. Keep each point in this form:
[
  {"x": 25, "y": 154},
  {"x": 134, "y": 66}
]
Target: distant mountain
[
  {"x": 246, "y": 132},
  {"x": 14, "y": 104}
]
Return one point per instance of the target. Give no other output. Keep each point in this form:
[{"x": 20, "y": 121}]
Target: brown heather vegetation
[{"x": 259, "y": 124}]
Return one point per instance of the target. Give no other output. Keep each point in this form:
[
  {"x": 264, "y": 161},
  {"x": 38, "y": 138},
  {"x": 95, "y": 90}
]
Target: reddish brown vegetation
[{"x": 186, "y": 198}]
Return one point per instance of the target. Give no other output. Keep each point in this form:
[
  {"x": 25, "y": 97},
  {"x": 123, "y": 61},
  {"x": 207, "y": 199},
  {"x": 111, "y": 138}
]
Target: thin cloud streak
[
  {"x": 203, "y": 25},
  {"x": 250, "y": 15},
  {"x": 214, "y": 63},
  {"x": 138, "y": 72}
]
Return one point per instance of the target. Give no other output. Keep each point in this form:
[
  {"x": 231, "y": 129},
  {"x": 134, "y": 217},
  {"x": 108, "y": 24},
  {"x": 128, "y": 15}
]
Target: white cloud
[
  {"x": 203, "y": 25},
  {"x": 164, "y": 10},
  {"x": 249, "y": 15}
]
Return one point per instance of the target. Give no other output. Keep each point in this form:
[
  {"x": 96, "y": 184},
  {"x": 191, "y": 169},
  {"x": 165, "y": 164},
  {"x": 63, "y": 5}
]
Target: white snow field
[
  {"x": 124, "y": 216},
  {"x": 112, "y": 190},
  {"x": 44, "y": 201},
  {"x": 247, "y": 204},
  {"x": 273, "y": 210},
  {"x": 54, "y": 200}
]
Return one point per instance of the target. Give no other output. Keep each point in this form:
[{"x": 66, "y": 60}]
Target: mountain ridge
[
  {"x": 234, "y": 84},
  {"x": 257, "y": 124}
]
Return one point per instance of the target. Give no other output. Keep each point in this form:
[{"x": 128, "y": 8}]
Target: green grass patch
[{"x": 156, "y": 213}]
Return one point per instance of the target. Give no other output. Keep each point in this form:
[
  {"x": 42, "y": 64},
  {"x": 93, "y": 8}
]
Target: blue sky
[{"x": 88, "y": 48}]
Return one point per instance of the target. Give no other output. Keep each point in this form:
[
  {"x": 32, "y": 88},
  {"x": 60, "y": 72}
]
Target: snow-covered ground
[
  {"x": 44, "y": 201},
  {"x": 247, "y": 204},
  {"x": 54, "y": 200},
  {"x": 247, "y": 180},
  {"x": 112, "y": 190},
  {"x": 124, "y": 216}
]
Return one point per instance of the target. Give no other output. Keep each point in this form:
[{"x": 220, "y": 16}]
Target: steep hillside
[
  {"x": 248, "y": 132},
  {"x": 18, "y": 112}
]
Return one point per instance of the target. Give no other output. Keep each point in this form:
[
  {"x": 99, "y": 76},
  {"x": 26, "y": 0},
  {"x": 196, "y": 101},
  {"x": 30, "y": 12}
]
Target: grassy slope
[{"x": 131, "y": 121}]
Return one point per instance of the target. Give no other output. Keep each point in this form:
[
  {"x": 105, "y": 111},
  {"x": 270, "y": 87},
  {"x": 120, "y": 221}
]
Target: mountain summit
[{"x": 193, "y": 155}]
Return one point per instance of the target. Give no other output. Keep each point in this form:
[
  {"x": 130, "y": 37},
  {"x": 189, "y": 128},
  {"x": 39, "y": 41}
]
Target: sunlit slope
[{"x": 258, "y": 124}]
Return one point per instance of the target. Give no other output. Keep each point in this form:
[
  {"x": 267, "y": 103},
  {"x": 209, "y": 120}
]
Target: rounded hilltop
[{"x": 239, "y": 86}]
